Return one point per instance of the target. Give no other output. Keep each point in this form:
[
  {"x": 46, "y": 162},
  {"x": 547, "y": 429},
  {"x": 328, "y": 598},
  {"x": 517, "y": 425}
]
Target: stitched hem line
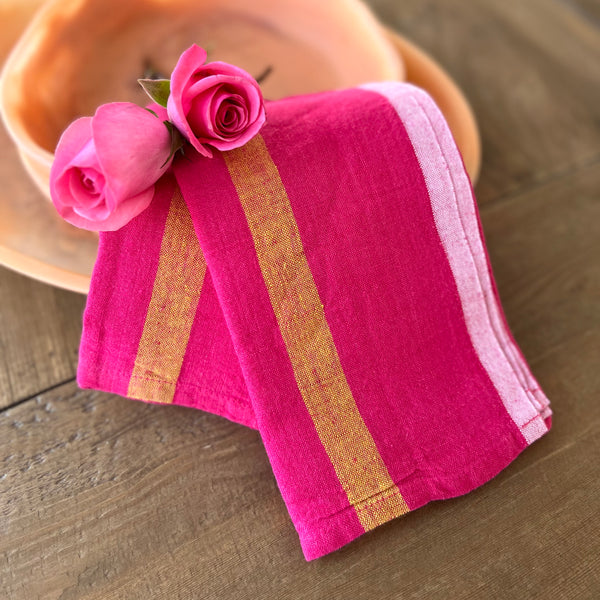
[{"x": 241, "y": 413}]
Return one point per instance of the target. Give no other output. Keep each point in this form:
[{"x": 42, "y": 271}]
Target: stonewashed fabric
[{"x": 327, "y": 284}]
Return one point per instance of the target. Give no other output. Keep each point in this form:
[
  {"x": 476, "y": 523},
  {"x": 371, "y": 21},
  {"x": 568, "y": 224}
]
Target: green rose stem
[
  {"x": 177, "y": 140},
  {"x": 159, "y": 91}
]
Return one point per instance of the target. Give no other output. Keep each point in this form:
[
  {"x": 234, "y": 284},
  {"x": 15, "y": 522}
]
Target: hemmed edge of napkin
[
  {"x": 340, "y": 529},
  {"x": 112, "y": 381}
]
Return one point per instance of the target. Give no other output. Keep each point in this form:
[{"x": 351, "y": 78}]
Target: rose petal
[
  {"x": 96, "y": 178},
  {"x": 127, "y": 210},
  {"x": 132, "y": 147},
  {"x": 75, "y": 145},
  {"x": 199, "y": 117},
  {"x": 187, "y": 64},
  {"x": 77, "y": 135},
  {"x": 160, "y": 111},
  {"x": 83, "y": 197},
  {"x": 221, "y": 102},
  {"x": 218, "y": 67},
  {"x": 242, "y": 79},
  {"x": 73, "y": 139},
  {"x": 244, "y": 137},
  {"x": 198, "y": 92},
  {"x": 196, "y": 125},
  {"x": 230, "y": 118},
  {"x": 99, "y": 215},
  {"x": 200, "y": 121}
]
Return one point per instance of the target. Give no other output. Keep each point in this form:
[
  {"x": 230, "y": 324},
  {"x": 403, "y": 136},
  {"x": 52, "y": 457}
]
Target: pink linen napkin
[{"x": 327, "y": 284}]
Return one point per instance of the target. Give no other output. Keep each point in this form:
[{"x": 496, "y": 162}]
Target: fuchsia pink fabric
[{"x": 328, "y": 285}]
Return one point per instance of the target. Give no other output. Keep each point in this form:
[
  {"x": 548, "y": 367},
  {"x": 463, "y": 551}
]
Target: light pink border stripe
[
  {"x": 467, "y": 214},
  {"x": 456, "y": 221}
]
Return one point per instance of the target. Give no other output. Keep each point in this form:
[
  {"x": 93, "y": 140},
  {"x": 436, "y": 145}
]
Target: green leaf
[{"x": 158, "y": 89}]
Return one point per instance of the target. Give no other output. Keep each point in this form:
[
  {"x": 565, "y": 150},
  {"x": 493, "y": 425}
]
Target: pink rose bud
[
  {"x": 105, "y": 166},
  {"x": 214, "y": 104}
]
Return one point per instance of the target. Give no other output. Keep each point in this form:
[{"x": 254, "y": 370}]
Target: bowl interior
[{"x": 79, "y": 54}]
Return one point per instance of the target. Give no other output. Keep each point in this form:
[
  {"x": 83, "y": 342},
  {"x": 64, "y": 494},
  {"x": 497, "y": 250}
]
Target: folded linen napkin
[{"x": 327, "y": 283}]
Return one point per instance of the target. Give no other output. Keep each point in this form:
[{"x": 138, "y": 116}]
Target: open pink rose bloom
[{"x": 214, "y": 104}]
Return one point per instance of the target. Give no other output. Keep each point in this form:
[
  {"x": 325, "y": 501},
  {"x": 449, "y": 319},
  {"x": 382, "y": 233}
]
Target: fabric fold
[{"x": 328, "y": 284}]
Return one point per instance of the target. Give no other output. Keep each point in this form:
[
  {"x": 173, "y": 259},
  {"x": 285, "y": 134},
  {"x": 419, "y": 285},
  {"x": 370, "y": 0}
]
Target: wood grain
[
  {"x": 531, "y": 71},
  {"x": 40, "y": 328},
  {"x": 106, "y": 498},
  {"x": 589, "y": 9},
  {"x": 545, "y": 249}
]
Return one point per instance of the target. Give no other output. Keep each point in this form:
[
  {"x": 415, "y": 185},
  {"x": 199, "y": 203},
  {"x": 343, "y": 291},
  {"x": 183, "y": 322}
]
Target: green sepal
[
  {"x": 177, "y": 141},
  {"x": 158, "y": 89}
]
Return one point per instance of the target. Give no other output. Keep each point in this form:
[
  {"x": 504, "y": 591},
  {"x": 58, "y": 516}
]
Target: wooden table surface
[{"x": 106, "y": 498}]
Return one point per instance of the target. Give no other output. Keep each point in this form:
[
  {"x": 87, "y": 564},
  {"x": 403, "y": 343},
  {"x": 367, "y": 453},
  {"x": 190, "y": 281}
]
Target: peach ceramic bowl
[
  {"x": 78, "y": 54},
  {"x": 36, "y": 242}
]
